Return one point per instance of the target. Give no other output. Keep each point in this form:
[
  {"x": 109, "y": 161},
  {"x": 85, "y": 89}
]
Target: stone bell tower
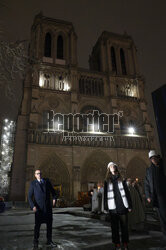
[
  {"x": 115, "y": 54},
  {"x": 53, "y": 41},
  {"x": 52, "y": 55}
]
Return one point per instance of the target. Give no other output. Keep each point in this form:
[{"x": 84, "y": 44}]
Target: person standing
[
  {"x": 39, "y": 200},
  {"x": 137, "y": 217},
  {"x": 101, "y": 199},
  {"x": 155, "y": 188},
  {"x": 117, "y": 201},
  {"x": 95, "y": 200}
]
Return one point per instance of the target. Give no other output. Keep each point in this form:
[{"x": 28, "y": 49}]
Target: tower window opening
[{"x": 47, "y": 46}]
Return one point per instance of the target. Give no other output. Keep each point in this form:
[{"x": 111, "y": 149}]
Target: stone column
[
  {"x": 18, "y": 175},
  {"x": 135, "y": 60},
  {"x": 76, "y": 181},
  {"x": 131, "y": 70},
  {"x": 18, "y": 179},
  {"x": 102, "y": 58},
  {"x": 127, "y": 61},
  {"x": 74, "y": 90},
  {"x": 73, "y": 48},
  {"x": 109, "y": 65}
]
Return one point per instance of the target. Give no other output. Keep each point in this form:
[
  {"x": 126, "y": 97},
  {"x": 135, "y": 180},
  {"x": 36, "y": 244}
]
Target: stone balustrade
[
  {"x": 91, "y": 86},
  {"x": 90, "y": 140}
]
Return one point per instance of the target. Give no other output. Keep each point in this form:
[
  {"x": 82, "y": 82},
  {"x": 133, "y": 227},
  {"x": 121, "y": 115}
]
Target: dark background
[{"x": 144, "y": 20}]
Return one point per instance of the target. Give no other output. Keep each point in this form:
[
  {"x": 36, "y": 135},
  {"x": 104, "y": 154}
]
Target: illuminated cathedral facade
[{"x": 56, "y": 87}]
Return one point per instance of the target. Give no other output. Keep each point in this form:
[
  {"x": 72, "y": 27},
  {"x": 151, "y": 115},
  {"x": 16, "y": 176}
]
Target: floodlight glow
[
  {"x": 67, "y": 87},
  {"x": 131, "y": 130},
  {"x": 41, "y": 81},
  {"x": 92, "y": 128}
]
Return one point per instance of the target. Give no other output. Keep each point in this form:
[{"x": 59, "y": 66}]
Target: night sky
[{"x": 144, "y": 20}]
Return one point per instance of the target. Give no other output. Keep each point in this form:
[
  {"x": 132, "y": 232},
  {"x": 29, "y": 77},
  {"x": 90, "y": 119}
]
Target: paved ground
[{"x": 72, "y": 229}]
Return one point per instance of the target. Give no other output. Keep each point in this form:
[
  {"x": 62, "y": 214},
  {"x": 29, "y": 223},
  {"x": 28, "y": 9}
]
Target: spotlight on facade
[
  {"x": 92, "y": 128},
  {"x": 131, "y": 130},
  {"x": 41, "y": 81},
  {"x": 67, "y": 87}
]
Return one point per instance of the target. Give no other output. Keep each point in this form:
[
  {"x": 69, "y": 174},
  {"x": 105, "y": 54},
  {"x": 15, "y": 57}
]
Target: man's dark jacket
[
  {"x": 39, "y": 197},
  {"x": 155, "y": 190}
]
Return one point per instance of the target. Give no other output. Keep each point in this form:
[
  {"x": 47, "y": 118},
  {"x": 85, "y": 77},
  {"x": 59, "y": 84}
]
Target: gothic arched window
[
  {"x": 47, "y": 45},
  {"x": 89, "y": 110},
  {"x": 113, "y": 60},
  {"x": 60, "y": 47},
  {"x": 123, "y": 63}
]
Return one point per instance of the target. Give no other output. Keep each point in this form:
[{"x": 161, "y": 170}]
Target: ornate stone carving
[
  {"x": 53, "y": 102},
  {"x": 127, "y": 87},
  {"x": 131, "y": 112}
]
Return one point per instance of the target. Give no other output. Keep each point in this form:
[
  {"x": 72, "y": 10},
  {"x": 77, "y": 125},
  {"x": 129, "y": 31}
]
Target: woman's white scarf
[{"x": 111, "y": 198}]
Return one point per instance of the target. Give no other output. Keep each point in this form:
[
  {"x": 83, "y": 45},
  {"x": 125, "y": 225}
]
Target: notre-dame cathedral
[{"x": 55, "y": 84}]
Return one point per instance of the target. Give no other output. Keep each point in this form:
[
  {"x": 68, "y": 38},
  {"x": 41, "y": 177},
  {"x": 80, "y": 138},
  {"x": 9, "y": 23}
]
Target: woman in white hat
[{"x": 117, "y": 201}]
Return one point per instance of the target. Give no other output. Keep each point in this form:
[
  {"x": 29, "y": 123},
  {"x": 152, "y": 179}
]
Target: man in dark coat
[
  {"x": 39, "y": 200},
  {"x": 155, "y": 188}
]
